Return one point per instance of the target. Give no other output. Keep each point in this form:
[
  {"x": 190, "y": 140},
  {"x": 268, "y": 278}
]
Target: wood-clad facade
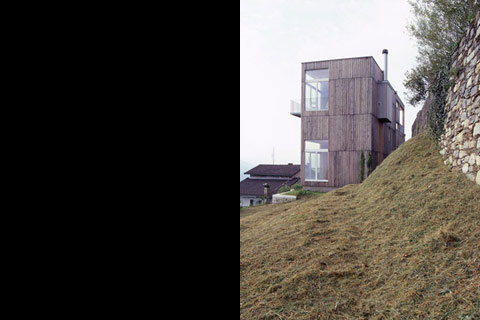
[{"x": 353, "y": 122}]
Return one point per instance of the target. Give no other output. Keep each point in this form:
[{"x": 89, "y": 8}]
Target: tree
[{"x": 438, "y": 26}]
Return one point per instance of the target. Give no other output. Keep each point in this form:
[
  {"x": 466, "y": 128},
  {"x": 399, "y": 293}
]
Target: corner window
[
  {"x": 399, "y": 113},
  {"x": 316, "y": 160},
  {"x": 316, "y": 90}
]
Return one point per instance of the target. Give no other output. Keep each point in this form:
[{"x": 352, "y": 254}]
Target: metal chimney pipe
[{"x": 385, "y": 71}]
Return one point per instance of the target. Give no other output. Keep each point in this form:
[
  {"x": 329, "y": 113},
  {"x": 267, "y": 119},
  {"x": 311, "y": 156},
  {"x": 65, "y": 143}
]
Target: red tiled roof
[
  {"x": 284, "y": 170},
  {"x": 254, "y": 187}
]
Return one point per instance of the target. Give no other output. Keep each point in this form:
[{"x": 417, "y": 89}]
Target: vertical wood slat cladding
[
  {"x": 350, "y": 124},
  {"x": 374, "y": 107},
  {"x": 347, "y": 170},
  {"x": 350, "y": 96},
  {"x": 376, "y": 72},
  {"x": 316, "y": 128},
  {"x": 344, "y": 68},
  {"x": 349, "y": 132},
  {"x": 375, "y": 134}
]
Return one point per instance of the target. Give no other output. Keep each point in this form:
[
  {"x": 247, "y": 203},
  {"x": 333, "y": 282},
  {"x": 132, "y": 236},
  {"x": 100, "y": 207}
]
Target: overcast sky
[{"x": 276, "y": 36}]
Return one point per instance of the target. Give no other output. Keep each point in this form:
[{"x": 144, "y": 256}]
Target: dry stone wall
[
  {"x": 421, "y": 121},
  {"x": 461, "y": 141}
]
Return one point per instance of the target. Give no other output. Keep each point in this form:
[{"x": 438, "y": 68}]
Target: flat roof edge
[
  {"x": 339, "y": 59},
  {"x": 365, "y": 57}
]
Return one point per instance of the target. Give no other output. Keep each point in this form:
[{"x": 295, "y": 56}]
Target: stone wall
[
  {"x": 461, "y": 141},
  {"x": 421, "y": 121}
]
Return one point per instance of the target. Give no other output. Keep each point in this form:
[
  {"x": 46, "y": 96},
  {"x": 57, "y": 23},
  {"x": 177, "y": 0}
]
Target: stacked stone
[
  {"x": 421, "y": 121},
  {"x": 461, "y": 140}
]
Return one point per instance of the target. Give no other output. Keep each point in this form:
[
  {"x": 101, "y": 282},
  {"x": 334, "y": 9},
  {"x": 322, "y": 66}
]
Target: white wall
[{"x": 245, "y": 201}]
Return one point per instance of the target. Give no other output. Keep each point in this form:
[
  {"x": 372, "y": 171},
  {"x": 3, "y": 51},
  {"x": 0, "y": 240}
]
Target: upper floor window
[
  {"x": 316, "y": 160},
  {"x": 399, "y": 116},
  {"x": 316, "y": 90},
  {"x": 399, "y": 109}
]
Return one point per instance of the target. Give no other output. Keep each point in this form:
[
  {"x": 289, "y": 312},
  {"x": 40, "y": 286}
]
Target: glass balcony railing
[{"x": 295, "y": 108}]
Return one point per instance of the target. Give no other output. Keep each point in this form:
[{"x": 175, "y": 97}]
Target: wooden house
[{"x": 347, "y": 107}]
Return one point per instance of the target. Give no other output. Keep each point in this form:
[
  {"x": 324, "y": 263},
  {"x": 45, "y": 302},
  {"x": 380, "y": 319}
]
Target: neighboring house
[
  {"x": 347, "y": 107},
  {"x": 275, "y": 175}
]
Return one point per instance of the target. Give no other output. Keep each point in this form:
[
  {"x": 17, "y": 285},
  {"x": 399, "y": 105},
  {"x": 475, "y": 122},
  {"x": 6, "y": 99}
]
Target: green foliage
[
  {"x": 416, "y": 83},
  {"x": 438, "y": 27},
  {"x": 362, "y": 166},
  {"x": 297, "y": 186},
  {"x": 284, "y": 189},
  {"x": 439, "y": 92},
  {"x": 302, "y": 193},
  {"x": 369, "y": 163},
  {"x": 455, "y": 71}
]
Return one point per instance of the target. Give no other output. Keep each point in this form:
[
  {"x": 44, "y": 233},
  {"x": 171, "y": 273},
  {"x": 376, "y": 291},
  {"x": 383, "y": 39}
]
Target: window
[
  {"x": 399, "y": 113},
  {"x": 316, "y": 160},
  {"x": 316, "y": 90}
]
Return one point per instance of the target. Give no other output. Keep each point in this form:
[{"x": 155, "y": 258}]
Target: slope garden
[{"x": 404, "y": 244}]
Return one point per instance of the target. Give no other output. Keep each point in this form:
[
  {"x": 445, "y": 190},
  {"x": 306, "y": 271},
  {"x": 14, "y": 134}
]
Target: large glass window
[
  {"x": 316, "y": 90},
  {"x": 399, "y": 113},
  {"x": 316, "y": 160}
]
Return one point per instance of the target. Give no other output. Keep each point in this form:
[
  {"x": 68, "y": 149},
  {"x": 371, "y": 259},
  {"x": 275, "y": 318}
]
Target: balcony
[
  {"x": 386, "y": 102},
  {"x": 295, "y": 108}
]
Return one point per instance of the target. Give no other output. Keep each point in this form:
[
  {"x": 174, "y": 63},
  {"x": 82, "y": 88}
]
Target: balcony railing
[{"x": 295, "y": 108}]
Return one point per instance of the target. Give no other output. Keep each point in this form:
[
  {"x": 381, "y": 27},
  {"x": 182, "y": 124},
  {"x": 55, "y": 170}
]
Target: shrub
[
  {"x": 303, "y": 192},
  {"x": 284, "y": 189},
  {"x": 369, "y": 163},
  {"x": 362, "y": 166}
]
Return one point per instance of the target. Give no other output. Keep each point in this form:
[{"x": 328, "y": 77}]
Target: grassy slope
[{"x": 404, "y": 244}]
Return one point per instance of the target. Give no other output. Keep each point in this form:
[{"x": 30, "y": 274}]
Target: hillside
[{"x": 404, "y": 244}]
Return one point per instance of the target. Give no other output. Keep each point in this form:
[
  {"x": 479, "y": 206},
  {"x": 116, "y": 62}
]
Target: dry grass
[{"x": 404, "y": 244}]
